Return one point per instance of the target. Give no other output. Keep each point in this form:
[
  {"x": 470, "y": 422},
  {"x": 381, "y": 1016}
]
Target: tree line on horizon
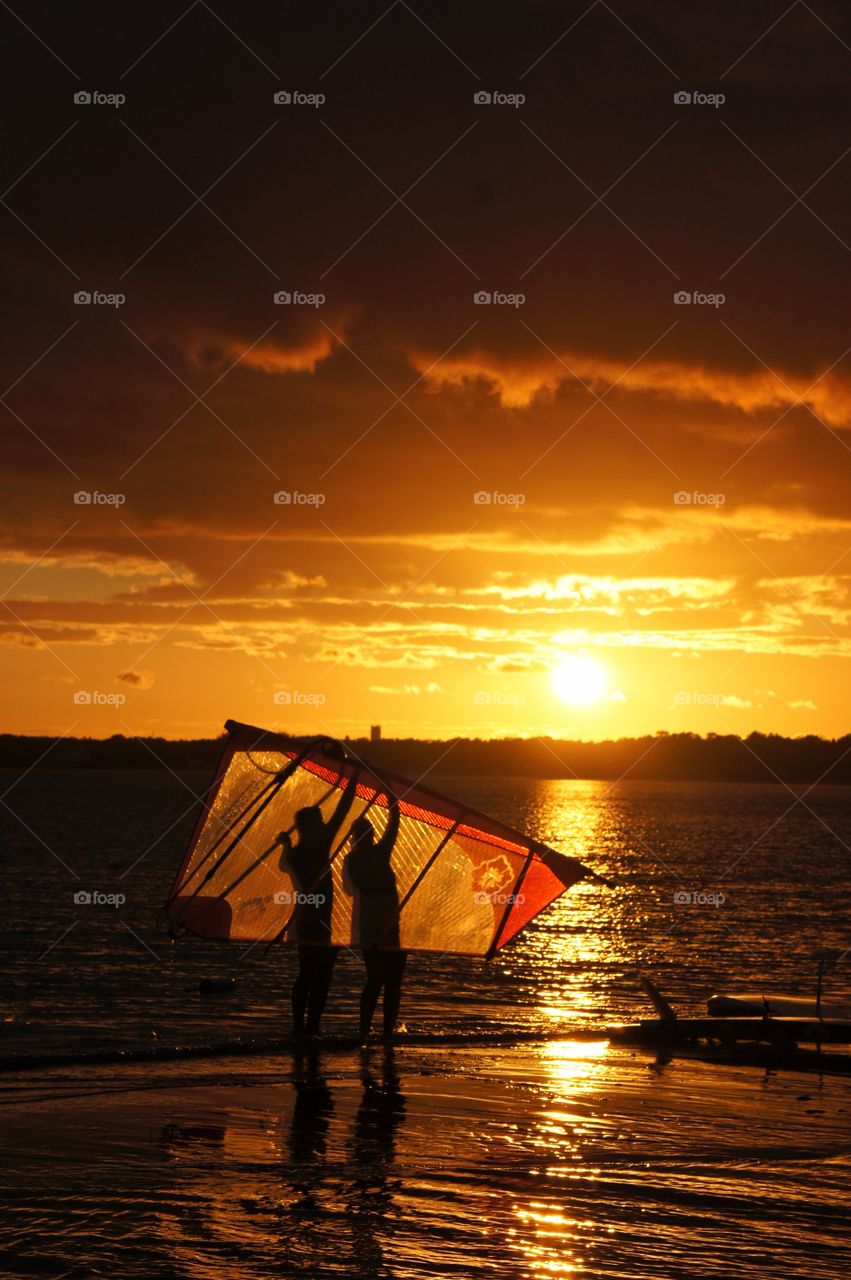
[{"x": 662, "y": 756}]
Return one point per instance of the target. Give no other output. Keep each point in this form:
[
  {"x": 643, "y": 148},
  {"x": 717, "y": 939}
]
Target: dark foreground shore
[{"x": 561, "y": 1158}]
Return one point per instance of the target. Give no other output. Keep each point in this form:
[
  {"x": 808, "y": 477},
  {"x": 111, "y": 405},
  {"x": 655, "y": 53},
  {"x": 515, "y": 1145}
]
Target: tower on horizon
[{"x": 375, "y": 733}]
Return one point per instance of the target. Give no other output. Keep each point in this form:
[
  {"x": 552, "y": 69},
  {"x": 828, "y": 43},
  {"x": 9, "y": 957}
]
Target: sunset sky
[{"x": 666, "y": 484}]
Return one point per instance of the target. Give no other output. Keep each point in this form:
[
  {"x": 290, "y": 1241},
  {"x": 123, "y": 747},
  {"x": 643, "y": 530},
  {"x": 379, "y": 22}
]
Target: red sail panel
[{"x": 538, "y": 888}]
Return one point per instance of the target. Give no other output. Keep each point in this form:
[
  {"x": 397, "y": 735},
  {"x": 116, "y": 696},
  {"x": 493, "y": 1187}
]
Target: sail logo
[{"x": 492, "y": 875}]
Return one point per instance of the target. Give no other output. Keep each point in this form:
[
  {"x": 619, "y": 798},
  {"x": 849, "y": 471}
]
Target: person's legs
[
  {"x": 323, "y": 971},
  {"x": 394, "y": 969},
  {"x": 371, "y": 989},
  {"x": 301, "y": 988}
]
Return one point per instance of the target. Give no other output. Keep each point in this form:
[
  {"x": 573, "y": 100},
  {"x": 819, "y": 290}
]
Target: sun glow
[{"x": 579, "y": 681}]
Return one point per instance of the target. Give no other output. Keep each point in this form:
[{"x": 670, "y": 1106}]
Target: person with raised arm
[
  {"x": 308, "y": 864},
  {"x": 369, "y": 878}
]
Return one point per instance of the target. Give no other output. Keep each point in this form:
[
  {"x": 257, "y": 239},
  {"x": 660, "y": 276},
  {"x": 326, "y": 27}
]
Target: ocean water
[{"x": 503, "y": 1135}]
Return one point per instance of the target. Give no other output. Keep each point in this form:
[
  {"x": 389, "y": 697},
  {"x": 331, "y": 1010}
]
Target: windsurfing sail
[{"x": 460, "y": 883}]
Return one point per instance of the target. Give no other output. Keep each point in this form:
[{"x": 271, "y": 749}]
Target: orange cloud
[
  {"x": 266, "y": 357},
  {"x": 517, "y": 381}
]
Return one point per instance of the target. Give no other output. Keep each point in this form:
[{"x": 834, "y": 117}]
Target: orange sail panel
[{"x": 434, "y": 875}]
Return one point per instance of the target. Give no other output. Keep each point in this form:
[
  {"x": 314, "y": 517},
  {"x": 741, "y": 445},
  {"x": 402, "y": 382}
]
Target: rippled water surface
[{"x": 457, "y": 1153}]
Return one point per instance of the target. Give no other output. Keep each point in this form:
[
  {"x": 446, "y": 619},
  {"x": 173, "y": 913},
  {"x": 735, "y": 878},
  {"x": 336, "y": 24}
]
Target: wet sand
[{"x": 550, "y": 1159}]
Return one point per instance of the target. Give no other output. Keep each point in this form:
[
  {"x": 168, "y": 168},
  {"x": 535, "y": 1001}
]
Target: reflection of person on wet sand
[
  {"x": 373, "y": 1154},
  {"x": 371, "y": 881},
  {"x": 314, "y": 1106},
  {"x": 308, "y": 864},
  {"x": 306, "y": 1169}
]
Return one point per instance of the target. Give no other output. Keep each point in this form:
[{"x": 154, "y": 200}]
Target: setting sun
[{"x": 579, "y": 681}]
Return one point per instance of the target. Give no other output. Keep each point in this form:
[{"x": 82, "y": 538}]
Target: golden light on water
[
  {"x": 579, "y": 681},
  {"x": 573, "y": 1061}
]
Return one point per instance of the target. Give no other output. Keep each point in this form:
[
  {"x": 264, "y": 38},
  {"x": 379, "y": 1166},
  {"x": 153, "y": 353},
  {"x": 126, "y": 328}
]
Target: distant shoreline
[{"x": 663, "y": 757}]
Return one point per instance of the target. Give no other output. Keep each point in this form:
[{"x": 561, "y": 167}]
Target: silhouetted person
[
  {"x": 308, "y": 864},
  {"x": 370, "y": 879}
]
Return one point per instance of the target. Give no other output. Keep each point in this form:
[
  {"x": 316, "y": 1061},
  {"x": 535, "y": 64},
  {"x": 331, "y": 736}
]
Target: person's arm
[
  {"x": 344, "y": 804},
  {"x": 286, "y": 844},
  {"x": 384, "y": 848}
]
